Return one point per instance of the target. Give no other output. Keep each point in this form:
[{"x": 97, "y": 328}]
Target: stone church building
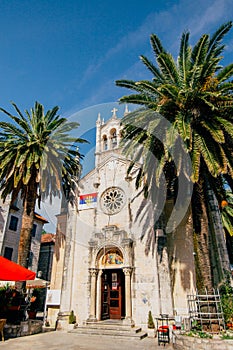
[{"x": 102, "y": 265}]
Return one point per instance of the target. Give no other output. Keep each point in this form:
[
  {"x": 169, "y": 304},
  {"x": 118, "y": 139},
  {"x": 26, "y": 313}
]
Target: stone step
[
  {"x": 116, "y": 326},
  {"x": 108, "y": 330}
]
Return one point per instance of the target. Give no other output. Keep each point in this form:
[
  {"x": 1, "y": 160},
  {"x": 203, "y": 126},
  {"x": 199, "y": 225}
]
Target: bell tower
[{"x": 108, "y": 136}]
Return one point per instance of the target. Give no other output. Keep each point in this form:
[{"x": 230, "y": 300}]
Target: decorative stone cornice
[
  {"x": 112, "y": 235},
  {"x": 127, "y": 270},
  {"x": 92, "y": 243},
  {"x": 127, "y": 242},
  {"x": 93, "y": 272}
]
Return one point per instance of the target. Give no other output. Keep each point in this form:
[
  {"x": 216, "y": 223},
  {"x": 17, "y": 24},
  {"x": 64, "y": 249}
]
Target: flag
[{"x": 87, "y": 201}]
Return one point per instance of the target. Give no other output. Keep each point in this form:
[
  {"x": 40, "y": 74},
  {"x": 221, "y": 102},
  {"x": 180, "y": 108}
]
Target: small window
[
  {"x": 114, "y": 294},
  {"x": 13, "y": 223},
  {"x": 34, "y": 230},
  {"x": 114, "y": 303},
  {"x": 15, "y": 203},
  {"x": 8, "y": 253},
  {"x": 30, "y": 259}
]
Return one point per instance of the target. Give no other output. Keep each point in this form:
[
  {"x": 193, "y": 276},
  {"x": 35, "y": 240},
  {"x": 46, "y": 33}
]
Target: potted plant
[
  {"x": 34, "y": 304},
  {"x": 150, "y": 325},
  {"x": 72, "y": 318}
]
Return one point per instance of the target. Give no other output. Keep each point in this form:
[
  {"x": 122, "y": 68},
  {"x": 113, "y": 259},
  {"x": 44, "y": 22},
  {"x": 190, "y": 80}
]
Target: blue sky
[{"x": 69, "y": 53}]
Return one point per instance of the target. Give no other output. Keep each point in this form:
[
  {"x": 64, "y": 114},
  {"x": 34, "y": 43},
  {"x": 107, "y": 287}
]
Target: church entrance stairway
[{"x": 111, "y": 327}]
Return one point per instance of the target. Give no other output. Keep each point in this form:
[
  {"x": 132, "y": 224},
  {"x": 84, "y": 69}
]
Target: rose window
[{"x": 112, "y": 200}]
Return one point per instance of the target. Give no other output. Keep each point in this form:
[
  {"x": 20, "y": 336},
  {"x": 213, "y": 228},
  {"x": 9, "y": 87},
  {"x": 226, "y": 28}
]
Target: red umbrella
[{"x": 10, "y": 271}]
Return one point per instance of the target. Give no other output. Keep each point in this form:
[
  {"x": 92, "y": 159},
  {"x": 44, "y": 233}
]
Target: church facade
[{"x": 103, "y": 265}]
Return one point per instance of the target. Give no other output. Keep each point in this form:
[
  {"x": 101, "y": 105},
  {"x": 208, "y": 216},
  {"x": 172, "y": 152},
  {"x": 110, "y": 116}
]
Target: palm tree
[
  {"x": 38, "y": 158},
  {"x": 194, "y": 95}
]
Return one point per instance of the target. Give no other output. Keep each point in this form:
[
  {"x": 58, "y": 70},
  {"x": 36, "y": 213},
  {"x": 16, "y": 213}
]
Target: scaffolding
[{"x": 205, "y": 311}]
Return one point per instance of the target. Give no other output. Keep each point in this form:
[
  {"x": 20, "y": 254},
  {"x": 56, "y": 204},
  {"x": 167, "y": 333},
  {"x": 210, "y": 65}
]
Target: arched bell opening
[
  {"x": 104, "y": 143},
  {"x": 113, "y": 137}
]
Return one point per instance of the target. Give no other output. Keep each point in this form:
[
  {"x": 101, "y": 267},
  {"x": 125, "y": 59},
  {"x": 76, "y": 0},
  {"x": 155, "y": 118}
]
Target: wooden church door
[{"x": 112, "y": 294}]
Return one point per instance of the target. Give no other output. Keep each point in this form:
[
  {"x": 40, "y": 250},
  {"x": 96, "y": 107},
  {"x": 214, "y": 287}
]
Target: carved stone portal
[{"x": 110, "y": 249}]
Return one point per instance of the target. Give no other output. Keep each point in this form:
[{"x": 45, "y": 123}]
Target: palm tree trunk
[
  {"x": 219, "y": 256},
  {"x": 201, "y": 239},
  {"x": 29, "y": 203}
]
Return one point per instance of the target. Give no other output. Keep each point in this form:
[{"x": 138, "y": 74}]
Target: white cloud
[
  {"x": 197, "y": 17},
  {"x": 215, "y": 12}
]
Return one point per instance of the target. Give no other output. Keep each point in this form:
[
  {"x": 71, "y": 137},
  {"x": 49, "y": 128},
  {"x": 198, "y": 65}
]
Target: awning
[{"x": 10, "y": 271}]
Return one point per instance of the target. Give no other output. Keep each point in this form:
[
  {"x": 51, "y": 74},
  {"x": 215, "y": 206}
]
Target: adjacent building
[
  {"x": 46, "y": 255},
  {"x": 10, "y": 225}
]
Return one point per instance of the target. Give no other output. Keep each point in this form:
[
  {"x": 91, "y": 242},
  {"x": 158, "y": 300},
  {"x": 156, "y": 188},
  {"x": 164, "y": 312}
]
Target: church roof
[{"x": 48, "y": 237}]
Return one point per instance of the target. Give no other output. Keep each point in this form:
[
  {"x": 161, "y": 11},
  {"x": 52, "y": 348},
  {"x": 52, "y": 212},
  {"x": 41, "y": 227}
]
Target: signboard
[
  {"x": 53, "y": 297},
  {"x": 36, "y": 283}
]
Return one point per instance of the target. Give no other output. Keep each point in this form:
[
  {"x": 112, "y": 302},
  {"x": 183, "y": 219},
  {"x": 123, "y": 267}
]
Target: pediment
[{"x": 108, "y": 161}]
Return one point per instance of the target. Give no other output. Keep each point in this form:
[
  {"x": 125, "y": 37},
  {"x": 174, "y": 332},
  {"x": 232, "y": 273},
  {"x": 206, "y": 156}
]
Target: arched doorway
[
  {"x": 110, "y": 277},
  {"x": 112, "y": 284}
]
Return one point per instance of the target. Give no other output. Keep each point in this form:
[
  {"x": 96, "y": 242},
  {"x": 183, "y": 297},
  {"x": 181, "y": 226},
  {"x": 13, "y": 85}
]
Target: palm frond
[
  {"x": 216, "y": 39},
  {"x": 225, "y": 73},
  {"x": 184, "y": 57},
  {"x": 154, "y": 70},
  {"x": 156, "y": 45},
  {"x": 198, "y": 57},
  {"x": 168, "y": 67}
]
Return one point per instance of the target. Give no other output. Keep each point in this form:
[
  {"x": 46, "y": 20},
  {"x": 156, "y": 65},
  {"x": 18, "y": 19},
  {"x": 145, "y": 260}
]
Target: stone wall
[
  {"x": 182, "y": 342},
  {"x": 24, "y": 328}
]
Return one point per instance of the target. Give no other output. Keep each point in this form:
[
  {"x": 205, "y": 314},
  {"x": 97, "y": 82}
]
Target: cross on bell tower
[{"x": 114, "y": 110}]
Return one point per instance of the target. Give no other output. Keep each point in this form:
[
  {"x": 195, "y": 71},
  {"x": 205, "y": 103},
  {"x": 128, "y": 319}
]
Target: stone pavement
[{"x": 59, "y": 340}]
